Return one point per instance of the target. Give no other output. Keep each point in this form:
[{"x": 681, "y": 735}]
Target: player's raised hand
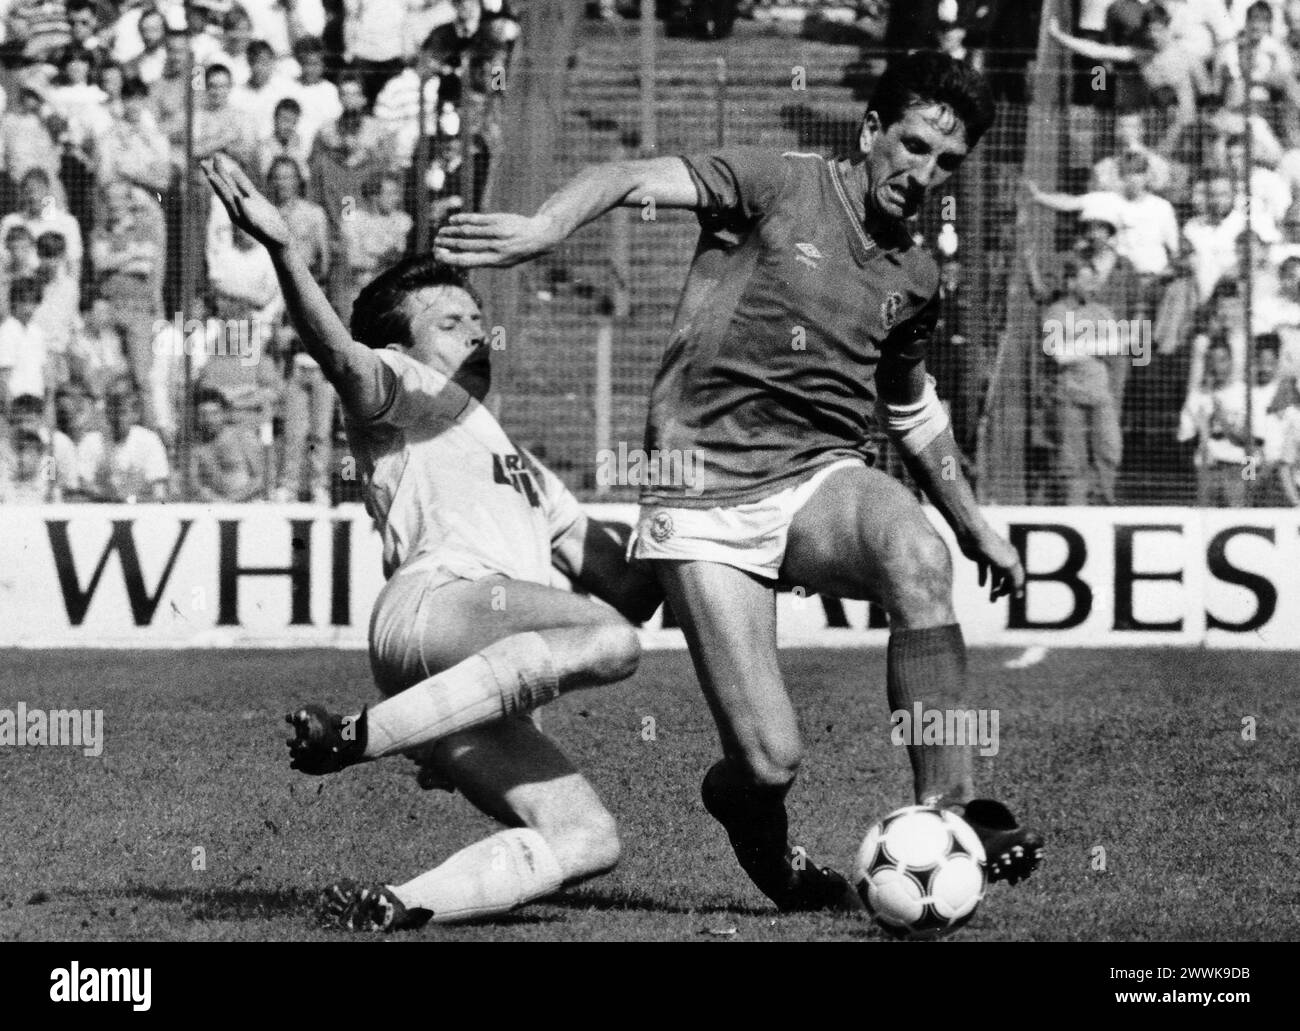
[
  {"x": 248, "y": 209},
  {"x": 493, "y": 240},
  {"x": 998, "y": 563}
]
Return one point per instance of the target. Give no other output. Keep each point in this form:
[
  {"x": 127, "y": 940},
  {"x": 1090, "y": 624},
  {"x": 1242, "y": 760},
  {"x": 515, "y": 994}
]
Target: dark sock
[
  {"x": 929, "y": 666},
  {"x": 756, "y": 822}
]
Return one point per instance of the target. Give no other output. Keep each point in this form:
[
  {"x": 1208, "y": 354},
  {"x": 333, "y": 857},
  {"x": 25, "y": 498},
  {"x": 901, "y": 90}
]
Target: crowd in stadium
[
  {"x": 1161, "y": 177},
  {"x": 319, "y": 100},
  {"x": 324, "y": 114}
]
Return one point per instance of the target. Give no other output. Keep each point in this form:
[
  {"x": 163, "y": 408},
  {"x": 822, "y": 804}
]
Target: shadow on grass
[
  {"x": 606, "y": 901},
  {"x": 253, "y": 903}
]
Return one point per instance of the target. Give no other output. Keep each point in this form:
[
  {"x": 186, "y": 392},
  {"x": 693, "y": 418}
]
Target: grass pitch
[{"x": 1163, "y": 821}]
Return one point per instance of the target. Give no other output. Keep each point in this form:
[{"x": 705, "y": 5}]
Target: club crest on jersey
[
  {"x": 661, "y": 527},
  {"x": 808, "y": 254},
  {"x": 511, "y": 471},
  {"x": 889, "y": 309}
]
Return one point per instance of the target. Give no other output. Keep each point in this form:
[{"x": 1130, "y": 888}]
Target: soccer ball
[{"x": 920, "y": 872}]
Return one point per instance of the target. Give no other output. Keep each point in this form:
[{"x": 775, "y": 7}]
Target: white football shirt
[{"x": 448, "y": 489}]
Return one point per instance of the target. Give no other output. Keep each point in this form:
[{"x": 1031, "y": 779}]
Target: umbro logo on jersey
[{"x": 808, "y": 254}]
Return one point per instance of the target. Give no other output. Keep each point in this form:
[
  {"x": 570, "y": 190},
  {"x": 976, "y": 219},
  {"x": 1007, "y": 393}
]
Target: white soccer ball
[{"x": 920, "y": 872}]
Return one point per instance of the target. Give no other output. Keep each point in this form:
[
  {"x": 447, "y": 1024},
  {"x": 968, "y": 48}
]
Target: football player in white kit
[{"x": 466, "y": 638}]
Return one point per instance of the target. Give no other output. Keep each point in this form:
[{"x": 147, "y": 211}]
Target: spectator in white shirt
[
  {"x": 23, "y": 477},
  {"x": 285, "y": 140},
  {"x": 133, "y": 465},
  {"x": 374, "y": 40},
  {"x": 40, "y": 213},
  {"x": 23, "y": 354},
  {"x": 265, "y": 88},
  {"x": 1148, "y": 227},
  {"x": 282, "y": 23},
  {"x": 319, "y": 97},
  {"x": 1212, "y": 237},
  {"x": 1214, "y": 416},
  {"x": 397, "y": 108},
  {"x": 78, "y": 443}
]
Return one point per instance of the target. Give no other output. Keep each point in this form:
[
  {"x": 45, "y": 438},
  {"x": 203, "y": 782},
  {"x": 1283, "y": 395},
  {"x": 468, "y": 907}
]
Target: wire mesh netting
[{"x": 1093, "y": 345}]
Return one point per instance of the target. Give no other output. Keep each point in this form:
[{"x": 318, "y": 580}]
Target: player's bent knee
[
  {"x": 624, "y": 649},
  {"x": 919, "y": 589},
  {"x": 584, "y": 844}
]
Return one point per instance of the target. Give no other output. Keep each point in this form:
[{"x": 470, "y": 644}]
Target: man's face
[
  {"x": 447, "y": 327},
  {"x": 24, "y": 310},
  {"x": 286, "y": 124},
  {"x": 175, "y": 63},
  {"x": 313, "y": 68},
  {"x": 916, "y": 154},
  {"x": 210, "y": 417},
  {"x": 34, "y": 194},
  {"x": 1128, "y": 131},
  {"x": 218, "y": 91},
  {"x": 25, "y": 421},
  {"x": 390, "y": 195},
  {"x": 1134, "y": 183},
  {"x": 260, "y": 68},
  {"x": 22, "y": 252},
  {"x": 1221, "y": 198},
  {"x": 284, "y": 182},
  {"x": 29, "y": 457},
  {"x": 152, "y": 29},
  {"x": 121, "y": 412},
  {"x": 1219, "y": 363},
  {"x": 352, "y": 97},
  {"x": 1265, "y": 366},
  {"x": 82, "y": 24},
  {"x": 1097, "y": 235},
  {"x": 1258, "y": 26},
  {"x": 72, "y": 411}
]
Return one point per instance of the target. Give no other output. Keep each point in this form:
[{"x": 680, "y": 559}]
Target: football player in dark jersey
[{"x": 807, "y": 303}]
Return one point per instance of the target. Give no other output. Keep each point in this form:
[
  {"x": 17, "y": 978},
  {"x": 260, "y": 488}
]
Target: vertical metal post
[
  {"x": 421, "y": 169},
  {"x": 187, "y": 271},
  {"x": 720, "y": 102},
  {"x": 649, "y": 133},
  {"x": 1248, "y": 371}
]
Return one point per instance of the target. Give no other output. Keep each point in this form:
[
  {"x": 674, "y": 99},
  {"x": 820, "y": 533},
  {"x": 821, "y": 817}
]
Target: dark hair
[
  {"x": 17, "y": 232},
  {"x": 308, "y": 45},
  {"x": 51, "y": 245},
  {"x": 350, "y": 122},
  {"x": 35, "y": 175},
  {"x": 25, "y": 289},
  {"x": 206, "y": 394},
  {"x": 1260, "y": 7},
  {"x": 1155, "y": 15},
  {"x": 1268, "y": 342},
  {"x": 259, "y": 46},
  {"x": 29, "y": 438},
  {"x": 377, "y": 316},
  {"x": 929, "y": 77},
  {"x": 134, "y": 87},
  {"x": 216, "y": 69},
  {"x": 32, "y": 403},
  {"x": 289, "y": 104}
]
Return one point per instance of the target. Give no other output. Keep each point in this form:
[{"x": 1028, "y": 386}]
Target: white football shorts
[{"x": 751, "y": 536}]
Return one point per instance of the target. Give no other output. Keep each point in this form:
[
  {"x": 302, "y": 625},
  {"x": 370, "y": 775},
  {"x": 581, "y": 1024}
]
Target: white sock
[
  {"x": 489, "y": 877},
  {"x": 507, "y": 677}
]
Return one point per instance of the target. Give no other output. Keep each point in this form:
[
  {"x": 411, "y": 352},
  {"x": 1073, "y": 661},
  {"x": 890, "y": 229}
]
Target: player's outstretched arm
[
  {"x": 500, "y": 239},
  {"x": 917, "y": 423},
  {"x": 355, "y": 371}
]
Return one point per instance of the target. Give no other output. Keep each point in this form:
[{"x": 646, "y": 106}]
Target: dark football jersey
[{"x": 789, "y": 303}]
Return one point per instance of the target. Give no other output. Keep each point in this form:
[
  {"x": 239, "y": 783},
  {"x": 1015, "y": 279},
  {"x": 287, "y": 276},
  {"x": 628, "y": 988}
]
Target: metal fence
[{"x": 586, "y": 325}]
